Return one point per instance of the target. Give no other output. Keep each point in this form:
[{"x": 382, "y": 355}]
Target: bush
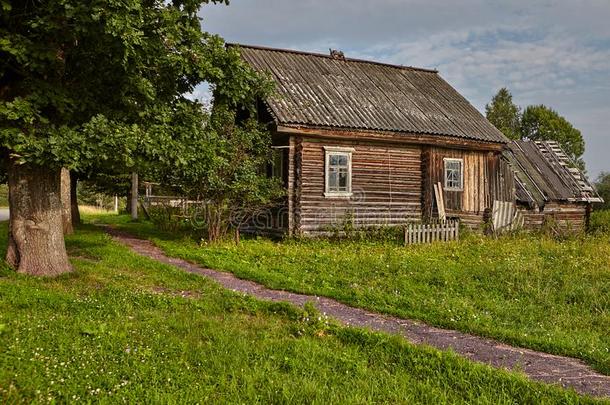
[
  {"x": 3, "y": 195},
  {"x": 169, "y": 219},
  {"x": 347, "y": 229},
  {"x": 88, "y": 194},
  {"x": 600, "y": 222}
]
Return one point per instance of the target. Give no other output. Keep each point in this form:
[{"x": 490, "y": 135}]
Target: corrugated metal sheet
[
  {"x": 323, "y": 91},
  {"x": 505, "y": 217},
  {"x": 543, "y": 175}
]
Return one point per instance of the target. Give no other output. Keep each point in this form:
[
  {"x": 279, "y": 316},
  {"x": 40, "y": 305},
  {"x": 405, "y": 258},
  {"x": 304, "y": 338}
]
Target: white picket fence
[{"x": 427, "y": 233}]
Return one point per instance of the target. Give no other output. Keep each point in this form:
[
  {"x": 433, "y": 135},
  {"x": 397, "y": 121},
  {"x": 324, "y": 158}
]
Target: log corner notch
[{"x": 36, "y": 238}]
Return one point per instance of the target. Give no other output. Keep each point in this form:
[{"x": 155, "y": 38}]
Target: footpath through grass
[
  {"x": 119, "y": 329},
  {"x": 528, "y": 290}
]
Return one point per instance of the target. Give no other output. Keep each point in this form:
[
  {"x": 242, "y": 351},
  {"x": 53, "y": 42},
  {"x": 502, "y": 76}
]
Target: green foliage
[
  {"x": 3, "y": 195},
  {"x": 529, "y": 290},
  {"x": 220, "y": 161},
  {"x": 170, "y": 219},
  {"x": 126, "y": 329},
  {"x": 602, "y": 185},
  {"x": 504, "y": 114},
  {"x": 600, "y": 222},
  {"x": 90, "y": 85},
  {"x": 537, "y": 122},
  {"x": 543, "y": 123},
  {"x": 348, "y": 231},
  {"x": 89, "y": 194}
]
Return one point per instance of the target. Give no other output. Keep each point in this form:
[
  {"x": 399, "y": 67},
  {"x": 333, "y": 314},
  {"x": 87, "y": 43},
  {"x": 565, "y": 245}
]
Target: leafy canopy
[
  {"x": 537, "y": 122},
  {"x": 543, "y": 123},
  {"x": 219, "y": 160},
  {"x": 504, "y": 114},
  {"x": 82, "y": 82}
]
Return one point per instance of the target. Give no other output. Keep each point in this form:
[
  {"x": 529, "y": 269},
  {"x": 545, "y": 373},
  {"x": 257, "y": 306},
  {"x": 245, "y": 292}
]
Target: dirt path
[{"x": 564, "y": 371}]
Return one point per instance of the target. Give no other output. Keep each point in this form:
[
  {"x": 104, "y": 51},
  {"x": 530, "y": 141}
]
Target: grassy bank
[
  {"x": 123, "y": 328},
  {"x": 528, "y": 290}
]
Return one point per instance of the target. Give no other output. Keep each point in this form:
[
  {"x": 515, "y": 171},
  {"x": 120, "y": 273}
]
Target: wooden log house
[
  {"x": 550, "y": 189},
  {"x": 365, "y": 142}
]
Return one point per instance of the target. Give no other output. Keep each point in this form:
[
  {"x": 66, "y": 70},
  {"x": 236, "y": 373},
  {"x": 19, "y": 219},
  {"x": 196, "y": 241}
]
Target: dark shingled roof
[
  {"x": 325, "y": 91},
  {"x": 544, "y": 173}
]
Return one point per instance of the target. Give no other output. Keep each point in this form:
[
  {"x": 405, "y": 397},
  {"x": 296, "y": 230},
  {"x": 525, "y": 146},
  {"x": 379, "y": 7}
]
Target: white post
[{"x": 116, "y": 204}]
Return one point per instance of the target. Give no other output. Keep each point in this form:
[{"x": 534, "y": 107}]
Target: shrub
[
  {"x": 3, "y": 195},
  {"x": 600, "y": 222}
]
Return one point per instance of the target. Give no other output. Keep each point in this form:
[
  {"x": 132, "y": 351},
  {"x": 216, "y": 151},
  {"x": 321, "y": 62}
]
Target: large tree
[
  {"x": 540, "y": 122},
  {"x": 504, "y": 114},
  {"x": 79, "y": 84}
]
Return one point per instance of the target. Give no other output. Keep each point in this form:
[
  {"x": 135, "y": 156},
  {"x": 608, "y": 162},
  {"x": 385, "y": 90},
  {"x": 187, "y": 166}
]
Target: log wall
[
  {"x": 486, "y": 178},
  {"x": 386, "y": 186},
  {"x": 566, "y": 216}
]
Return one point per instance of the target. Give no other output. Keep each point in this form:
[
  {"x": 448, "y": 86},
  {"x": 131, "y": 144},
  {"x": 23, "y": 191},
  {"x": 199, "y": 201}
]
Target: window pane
[
  {"x": 343, "y": 180},
  {"x": 332, "y": 180},
  {"x": 453, "y": 174},
  {"x": 338, "y": 160},
  {"x": 338, "y": 172}
]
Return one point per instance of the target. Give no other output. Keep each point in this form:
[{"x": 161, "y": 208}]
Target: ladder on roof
[{"x": 552, "y": 152}]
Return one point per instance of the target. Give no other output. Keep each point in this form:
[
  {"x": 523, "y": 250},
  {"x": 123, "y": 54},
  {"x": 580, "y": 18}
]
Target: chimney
[{"x": 336, "y": 54}]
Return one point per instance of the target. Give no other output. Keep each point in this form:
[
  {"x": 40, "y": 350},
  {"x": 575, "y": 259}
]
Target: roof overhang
[{"x": 389, "y": 137}]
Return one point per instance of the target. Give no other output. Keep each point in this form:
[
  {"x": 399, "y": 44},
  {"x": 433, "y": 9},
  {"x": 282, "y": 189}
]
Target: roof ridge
[{"x": 322, "y": 55}]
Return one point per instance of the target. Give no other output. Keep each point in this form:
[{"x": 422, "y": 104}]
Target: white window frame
[
  {"x": 337, "y": 150},
  {"x": 453, "y": 160}
]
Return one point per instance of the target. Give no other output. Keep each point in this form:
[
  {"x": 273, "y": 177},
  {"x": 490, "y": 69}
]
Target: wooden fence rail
[{"x": 427, "y": 233}]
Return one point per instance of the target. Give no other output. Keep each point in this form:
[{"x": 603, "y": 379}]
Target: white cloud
[{"x": 555, "y": 52}]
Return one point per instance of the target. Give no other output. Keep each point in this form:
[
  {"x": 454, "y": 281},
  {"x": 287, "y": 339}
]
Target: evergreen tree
[{"x": 504, "y": 114}]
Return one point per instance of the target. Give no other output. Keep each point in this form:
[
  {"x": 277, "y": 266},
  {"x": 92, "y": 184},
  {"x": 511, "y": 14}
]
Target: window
[
  {"x": 277, "y": 164},
  {"x": 454, "y": 170},
  {"x": 338, "y": 171}
]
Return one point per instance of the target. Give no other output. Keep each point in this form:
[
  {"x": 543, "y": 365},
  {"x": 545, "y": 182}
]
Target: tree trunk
[
  {"x": 134, "y": 196},
  {"x": 66, "y": 201},
  {"x": 74, "y": 212},
  {"x": 36, "y": 239}
]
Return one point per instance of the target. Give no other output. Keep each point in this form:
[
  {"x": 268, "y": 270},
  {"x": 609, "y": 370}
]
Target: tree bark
[
  {"x": 66, "y": 201},
  {"x": 74, "y": 212},
  {"x": 36, "y": 239},
  {"x": 134, "y": 196}
]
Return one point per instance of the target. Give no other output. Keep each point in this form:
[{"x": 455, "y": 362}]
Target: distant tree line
[{"x": 535, "y": 122}]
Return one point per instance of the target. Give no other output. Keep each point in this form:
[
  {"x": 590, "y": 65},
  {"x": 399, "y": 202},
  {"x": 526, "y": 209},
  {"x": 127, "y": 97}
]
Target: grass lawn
[
  {"x": 119, "y": 330},
  {"x": 528, "y": 290}
]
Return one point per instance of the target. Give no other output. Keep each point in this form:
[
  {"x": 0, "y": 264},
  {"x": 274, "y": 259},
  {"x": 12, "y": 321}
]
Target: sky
[{"x": 548, "y": 52}]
